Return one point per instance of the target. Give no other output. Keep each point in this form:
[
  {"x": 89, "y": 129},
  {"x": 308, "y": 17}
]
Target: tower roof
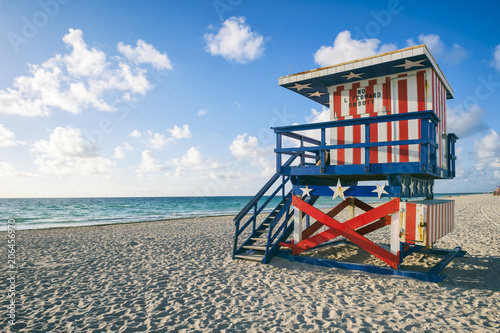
[{"x": 314, "y": 83}]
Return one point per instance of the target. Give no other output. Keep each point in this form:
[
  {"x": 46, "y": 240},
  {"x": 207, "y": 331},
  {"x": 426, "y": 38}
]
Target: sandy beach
[{"x": 178, "y": 276}]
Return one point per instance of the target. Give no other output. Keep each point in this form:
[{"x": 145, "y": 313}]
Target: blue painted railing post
[
  {"x": 323, "y": 151},
  {"x": 424, "y": 148},
  {"x": 302, "y": 153},
  {"x": 278, "y": 153},
  {"x": 236, "y": 234}
]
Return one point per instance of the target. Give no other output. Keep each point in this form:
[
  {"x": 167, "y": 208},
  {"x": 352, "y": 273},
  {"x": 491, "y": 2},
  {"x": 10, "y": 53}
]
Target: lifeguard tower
[{"x": 387, "y": 139}]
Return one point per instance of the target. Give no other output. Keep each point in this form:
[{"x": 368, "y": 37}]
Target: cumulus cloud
[
  {"x": 83, "y": 78},
  {"x": 135, "y": 134},
  {"x": 465, "y": 122},
  {"x": 246, "y": 147},
  {"x": 202, "y": 112},
  {"x": 487, "y": 152},
  {"x": 119, "y": 151},
  {"x": 496, "y": 58},
  {"x": 319, "y": 116},
  {"x": 191, "y": 158},
  {"x": 345, "y": 48},
  {"x": 158, "y": 140},
  {"x": 180, "y": 133},
  {"x": 235, "y": 41},
  {"x": 145, "y": 53},
  {"x": 8, "y": 170},
  {"x": 8, "y": 138},
  {"x": 149, "y": 164},
  {"x": 452, "y": 55},
  {"x": 194, "y": 165},
  {"x": 66, "y": 152}
]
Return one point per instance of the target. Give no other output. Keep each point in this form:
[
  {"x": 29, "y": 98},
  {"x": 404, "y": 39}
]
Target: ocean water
[{"x": 74, "y": 212}]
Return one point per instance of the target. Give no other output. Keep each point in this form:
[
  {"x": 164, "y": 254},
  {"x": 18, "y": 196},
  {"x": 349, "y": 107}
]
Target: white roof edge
[{"x": 440, "y": 74}]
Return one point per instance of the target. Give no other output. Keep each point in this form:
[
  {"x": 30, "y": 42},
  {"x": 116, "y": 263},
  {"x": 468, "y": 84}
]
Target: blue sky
[{"x": 176, "y": 98}]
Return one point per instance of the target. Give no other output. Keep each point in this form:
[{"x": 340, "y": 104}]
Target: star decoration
[
  {"x": 305, "y": 191},
  {"x": 380, "y": 190},
  {"x": 353, "y": 75},
  {"x": 316, "y": 94},
  {"x": 338, "y": 191},
  {"x": 409, "y": 64},
  {"x": 403, "y": 187},
  {"x": 299, "y": 86},
  {"x": 412, "y": 187}
]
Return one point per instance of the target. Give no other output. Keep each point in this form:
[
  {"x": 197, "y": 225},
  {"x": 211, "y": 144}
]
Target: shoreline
[{"x": 54, "y": 224}]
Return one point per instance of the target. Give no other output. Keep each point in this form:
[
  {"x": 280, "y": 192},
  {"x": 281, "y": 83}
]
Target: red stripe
[{"x": 403, "y": 125}]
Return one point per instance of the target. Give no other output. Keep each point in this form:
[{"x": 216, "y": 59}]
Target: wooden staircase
[{"x": 255, "y": 247}]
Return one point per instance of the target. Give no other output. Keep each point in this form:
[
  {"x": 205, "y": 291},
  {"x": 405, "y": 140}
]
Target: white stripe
[
  {"x": 334, "y": 141},
  {"x": 344, "y": 107},
  {"x": 412, "y": 105}
]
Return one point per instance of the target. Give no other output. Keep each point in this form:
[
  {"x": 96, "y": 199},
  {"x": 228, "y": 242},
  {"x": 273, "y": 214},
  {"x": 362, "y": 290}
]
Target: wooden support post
[
  {"x": 395, "y": 232},
  {"x": 297, "y": 226}
]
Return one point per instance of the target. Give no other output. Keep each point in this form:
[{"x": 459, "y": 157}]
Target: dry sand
[{"x": 178, "y": 276}]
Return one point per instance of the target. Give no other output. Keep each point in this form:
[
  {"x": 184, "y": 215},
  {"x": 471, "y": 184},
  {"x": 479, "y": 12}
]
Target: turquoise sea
[{"x": 73, "y": 212}]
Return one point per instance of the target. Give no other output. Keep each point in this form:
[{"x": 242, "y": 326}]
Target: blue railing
[
  {"x": 317, "y": 149},
  {"x": 255, "y": 209}
]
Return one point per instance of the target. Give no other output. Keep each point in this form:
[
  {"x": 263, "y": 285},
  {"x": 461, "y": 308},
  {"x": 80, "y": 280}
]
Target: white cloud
[
  {"x": 496, "y": 57},
  {"x": 119, "y": 151},
  {"x": 156, "y": 140},
  {"x": 66, "y": 152},
  {"x": 452, "y": 56},
  {"x": 192, "y": 158},
  {"x": 433, "y": 42},
  {"x": 180, "y": 133},
  {"x": 202, "y": 112},
  {"x": 145, "y": 53},
  {"x": 235, "y": 41},
  {"x": 135, "y": 134},
  {"x": 319, "y": 116},
  {"x": 8, "y": 138},
  {"x": 247, "y": 147},
  {"x": 465, "y": 122},
  {"x": 8, "y": 170},
  {"x": 149, "y": 164},
  {"x": 487, "y": 152},
  {"x": 83, "y": 78},
  {"x": 347, "y": 49},
  {"x": 244, "y": 146},
  {"x": 194, "y": 165}
]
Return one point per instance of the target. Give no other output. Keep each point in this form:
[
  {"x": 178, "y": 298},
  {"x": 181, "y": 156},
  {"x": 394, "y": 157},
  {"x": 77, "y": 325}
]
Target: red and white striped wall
[
  {"x": 425, "y": 222},
  {"x": 410, "y": 92}
]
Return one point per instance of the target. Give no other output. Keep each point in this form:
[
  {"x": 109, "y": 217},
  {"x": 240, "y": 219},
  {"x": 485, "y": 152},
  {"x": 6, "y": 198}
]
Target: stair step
[
  {"x": 261, "y": 231},
  {"x": 258, "y": 239},
  {"x": 254, "y": 247},
  {"x": 255, "y": 257}
]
